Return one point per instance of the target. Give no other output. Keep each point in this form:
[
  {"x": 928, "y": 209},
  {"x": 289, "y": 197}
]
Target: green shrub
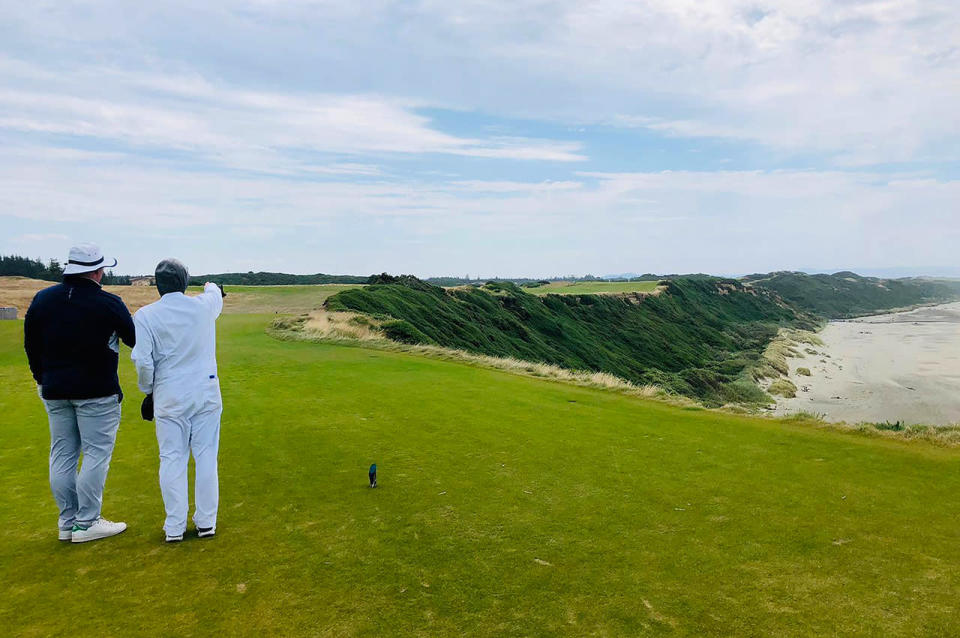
[
  {"x": 892, "y": 427},
  {"x": 404, "y": 332},
  {"x": 361, "y": 320},
  {"x": 805, "y": 372},
  {"x": 733, "y": 367},
  {"x": 784, "y": 388},
  {"x": 745, "y": 392}
]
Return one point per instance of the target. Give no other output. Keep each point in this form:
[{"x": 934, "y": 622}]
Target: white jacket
[{"x": 176, "y": 352}]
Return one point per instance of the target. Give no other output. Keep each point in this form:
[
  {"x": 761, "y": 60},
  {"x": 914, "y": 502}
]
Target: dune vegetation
[
  {"x": 846, "y": 294},
  {"x": 700, "y": 338}
]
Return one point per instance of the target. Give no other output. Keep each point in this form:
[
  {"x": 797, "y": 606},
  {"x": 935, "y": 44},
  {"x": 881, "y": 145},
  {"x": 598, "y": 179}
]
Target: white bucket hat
[{"x": 86, "y": 258}]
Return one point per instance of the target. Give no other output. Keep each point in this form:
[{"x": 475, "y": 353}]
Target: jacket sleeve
[
  {"x": 212, "y": 298},
  {"x": 125, "y": 327},
  {"x": 142, "y": 354},
  {"x": 32, "y": 341}
]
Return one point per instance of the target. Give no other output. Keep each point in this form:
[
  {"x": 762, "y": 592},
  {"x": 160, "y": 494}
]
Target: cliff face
[{"x": 699, "y": 337}]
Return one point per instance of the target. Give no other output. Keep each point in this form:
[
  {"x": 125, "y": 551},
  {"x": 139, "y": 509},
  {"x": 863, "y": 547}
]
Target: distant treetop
[{"x": 275, "y": 279}]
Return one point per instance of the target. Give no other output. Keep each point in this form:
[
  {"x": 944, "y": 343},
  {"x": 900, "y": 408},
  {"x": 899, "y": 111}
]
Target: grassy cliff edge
[{"x": 700, "y": 337}]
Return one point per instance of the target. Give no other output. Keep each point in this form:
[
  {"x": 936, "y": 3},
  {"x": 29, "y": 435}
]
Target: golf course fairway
[{"x": 507, "y": 506}]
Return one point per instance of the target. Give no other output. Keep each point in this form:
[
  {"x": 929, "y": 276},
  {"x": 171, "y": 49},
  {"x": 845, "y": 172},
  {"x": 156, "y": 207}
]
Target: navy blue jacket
[{"x": 70, "y": 333}]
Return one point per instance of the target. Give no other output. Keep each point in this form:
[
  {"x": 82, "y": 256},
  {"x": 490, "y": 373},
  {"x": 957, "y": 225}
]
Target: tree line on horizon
[{"x": 52, "y": 270}]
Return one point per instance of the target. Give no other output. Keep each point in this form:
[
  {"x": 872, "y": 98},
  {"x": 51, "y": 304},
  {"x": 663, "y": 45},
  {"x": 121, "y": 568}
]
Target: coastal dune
[{"x": 902, "y": 366}]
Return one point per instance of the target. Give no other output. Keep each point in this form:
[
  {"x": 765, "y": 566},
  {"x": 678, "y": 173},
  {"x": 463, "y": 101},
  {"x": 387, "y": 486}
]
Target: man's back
[
  {"x": 176, "y": 363},
  {"x": 71, "y": 335},
  {"x": 178, "y": 341}
]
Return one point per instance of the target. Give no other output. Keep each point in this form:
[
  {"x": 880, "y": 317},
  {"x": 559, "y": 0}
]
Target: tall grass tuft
[{"x": 939, "y": 435}]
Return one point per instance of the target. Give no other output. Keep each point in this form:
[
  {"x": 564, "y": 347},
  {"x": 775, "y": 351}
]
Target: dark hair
[{"x": 171, "y": 276}]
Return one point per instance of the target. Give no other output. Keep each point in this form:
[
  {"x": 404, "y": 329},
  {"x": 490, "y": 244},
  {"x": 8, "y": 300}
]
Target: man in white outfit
[{"x": 176, "y": 362}]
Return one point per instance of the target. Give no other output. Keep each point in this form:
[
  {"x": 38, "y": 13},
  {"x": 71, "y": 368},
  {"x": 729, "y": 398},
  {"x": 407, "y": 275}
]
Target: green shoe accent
[{"x": 77, "y": 528}]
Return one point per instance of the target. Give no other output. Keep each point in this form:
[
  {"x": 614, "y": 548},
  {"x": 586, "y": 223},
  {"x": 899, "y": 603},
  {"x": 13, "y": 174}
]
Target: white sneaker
[
  {"x": 102, "y": 528},
  {"x": 174, "y": 538},
  {"x": 64, "y": 534}
]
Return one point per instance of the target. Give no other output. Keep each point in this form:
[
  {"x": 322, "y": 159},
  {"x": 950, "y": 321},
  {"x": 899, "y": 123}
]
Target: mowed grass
[
  {"x": 508, "y": 506},
  {"x": 278, "y": 299},
  {"x": 593, "y": 287}
]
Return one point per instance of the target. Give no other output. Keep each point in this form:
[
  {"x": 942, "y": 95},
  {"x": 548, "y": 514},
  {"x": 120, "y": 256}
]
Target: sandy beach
[{"x": 903, "y": 366}]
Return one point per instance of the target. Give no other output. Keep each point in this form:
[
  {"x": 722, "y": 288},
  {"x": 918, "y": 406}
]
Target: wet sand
[{"x": 903, "y": 366}]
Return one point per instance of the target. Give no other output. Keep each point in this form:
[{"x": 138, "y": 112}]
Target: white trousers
[{"x": 177, "y": 438}]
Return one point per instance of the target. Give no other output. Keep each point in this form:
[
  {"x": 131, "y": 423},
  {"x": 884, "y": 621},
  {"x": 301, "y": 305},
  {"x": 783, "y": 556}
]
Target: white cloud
[
  {"x": 867, "y": 81},
  {"x": 503, "y": 187},
  {"x": 345, "y": 168},
  {"x": 872, "y": 80},
  {"x": 234, "y": 127},
  {"x": 33, "y": 238},
  {"x": 126, "y": 117},
  {"x": 654, "y": 221}
]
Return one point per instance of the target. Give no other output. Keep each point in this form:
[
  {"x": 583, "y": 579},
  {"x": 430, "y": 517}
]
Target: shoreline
[{"x": 898, "y": 366}]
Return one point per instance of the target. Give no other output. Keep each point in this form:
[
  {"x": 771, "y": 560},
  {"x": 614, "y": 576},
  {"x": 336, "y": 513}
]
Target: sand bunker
[{"x": 896, "y": 367}]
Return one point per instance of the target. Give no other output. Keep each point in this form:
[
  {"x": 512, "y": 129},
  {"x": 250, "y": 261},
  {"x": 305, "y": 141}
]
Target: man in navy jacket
[{"x": 71, "y": 334}]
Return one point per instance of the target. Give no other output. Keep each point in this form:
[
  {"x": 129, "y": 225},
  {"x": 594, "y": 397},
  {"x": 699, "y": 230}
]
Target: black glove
[
  {"x": 146, "y": 408},
  {"x": 222, "y": 293}
]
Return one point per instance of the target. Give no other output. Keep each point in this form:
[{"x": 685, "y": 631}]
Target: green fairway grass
[
  {"x": 593, "y": 287},
  {"x": 282, "y": 299},
  {"x": 507, "y": 506}
]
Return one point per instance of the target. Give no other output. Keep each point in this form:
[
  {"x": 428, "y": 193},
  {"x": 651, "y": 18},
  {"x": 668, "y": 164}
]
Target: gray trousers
[{"x": 88, "y": 426}]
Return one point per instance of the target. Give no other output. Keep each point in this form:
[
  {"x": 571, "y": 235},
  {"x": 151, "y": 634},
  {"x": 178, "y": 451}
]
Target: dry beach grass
[{"x": 19, "y": 291}]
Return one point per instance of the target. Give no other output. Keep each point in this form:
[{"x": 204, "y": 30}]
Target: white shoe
[
  {"x": 102, "y": 528},
  {"x": 64, "y": 534},
  {"x": 174, "y": 538},
  {"x": 206, "y": 532}
]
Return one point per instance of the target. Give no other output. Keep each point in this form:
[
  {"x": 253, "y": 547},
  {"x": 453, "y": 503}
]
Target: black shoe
[{"x": 206, "y": 532}]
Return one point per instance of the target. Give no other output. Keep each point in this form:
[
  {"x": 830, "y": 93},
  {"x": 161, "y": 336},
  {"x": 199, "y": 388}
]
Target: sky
[{"x": 521, "y": 138}]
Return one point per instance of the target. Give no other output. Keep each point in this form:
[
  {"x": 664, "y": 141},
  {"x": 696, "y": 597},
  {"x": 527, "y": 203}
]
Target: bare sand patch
[{"x": 903, "y": 366}]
